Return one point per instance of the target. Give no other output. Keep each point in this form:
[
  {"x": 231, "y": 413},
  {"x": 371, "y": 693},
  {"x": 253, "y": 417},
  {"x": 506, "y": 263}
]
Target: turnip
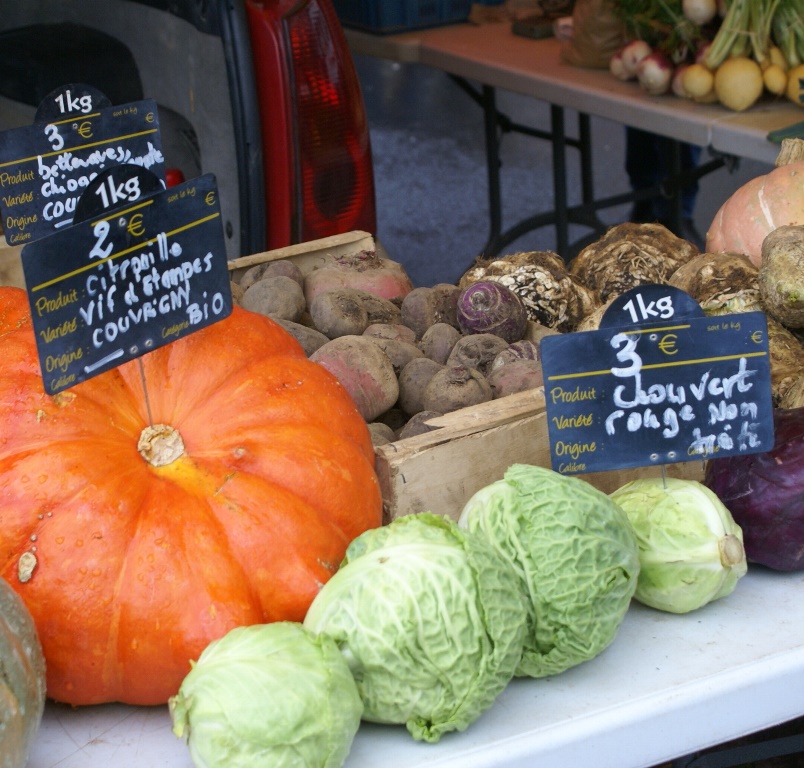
[
  {"x": 698, "y": 81},
  {"x": 776, "y": 56},
  {"x": 654, "y": 73},
  {"x": 632, "y": 54},
  {"x": 617, "y": 67},
  {"x": 738, "y": 83},
  {"x": 488, "y": 306},
  {"x": 677, "y": 82},
  {"x": 775, "y": 79},
  {"x": 699, "y": 12}
]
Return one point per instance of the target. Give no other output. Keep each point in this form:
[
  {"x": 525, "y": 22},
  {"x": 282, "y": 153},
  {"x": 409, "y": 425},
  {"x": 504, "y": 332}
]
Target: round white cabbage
[
  {"x": 690, "y": 549},
  {"x": 576, "y": 557},
  {"x": 268, "y": 694},
  {"x": 430, "y": 619}
]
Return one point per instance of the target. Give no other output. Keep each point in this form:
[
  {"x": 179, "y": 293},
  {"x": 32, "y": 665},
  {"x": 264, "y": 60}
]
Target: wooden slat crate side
[
  {"x": 440, "y": 470},
  {"x": 441, "y": 478},
  {"x": 307, "y": 256},
  {"x": 11, "y": 266}
]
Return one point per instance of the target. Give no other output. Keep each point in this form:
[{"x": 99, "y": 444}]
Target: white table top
[
  {"x": 668, "y": 685},
  {"x": 491, "y": 54}
]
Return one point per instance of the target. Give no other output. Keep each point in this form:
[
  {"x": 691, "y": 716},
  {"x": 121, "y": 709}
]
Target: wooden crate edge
[
  {"x": 11, "y": 273},
  {"x": 418, "y": 476},
  {"x": 440, "y": 470},
  {"x": 467, "y": 421},
  {"x": 308, "y": 255}
]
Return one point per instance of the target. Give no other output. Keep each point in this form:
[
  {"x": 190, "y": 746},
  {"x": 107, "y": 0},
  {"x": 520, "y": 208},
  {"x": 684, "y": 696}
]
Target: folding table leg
[{"x": 560, "y": 179}]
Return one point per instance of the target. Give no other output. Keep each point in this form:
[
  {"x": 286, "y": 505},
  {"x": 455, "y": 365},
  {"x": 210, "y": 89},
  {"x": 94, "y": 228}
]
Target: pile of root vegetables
[
  {"x": 404, "y": 353},
  {"x": 731, "y": 52},
  {"x": 407, "y": 354}
]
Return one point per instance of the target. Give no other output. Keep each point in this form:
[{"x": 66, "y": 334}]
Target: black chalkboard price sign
[
  {"x": 45, "y": 167},
  {"x": 658, "y": 383},
  {"x": 130, "y": 280}
]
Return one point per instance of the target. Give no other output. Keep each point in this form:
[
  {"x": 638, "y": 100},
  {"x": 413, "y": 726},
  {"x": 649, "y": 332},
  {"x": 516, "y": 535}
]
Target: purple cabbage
[
  {"x": 765, "y": 494},
  {"x": 490, "y": 307}
]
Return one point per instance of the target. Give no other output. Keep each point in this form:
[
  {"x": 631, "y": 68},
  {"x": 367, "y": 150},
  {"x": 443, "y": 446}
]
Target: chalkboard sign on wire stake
[
  {"x": 659, "y": 382},
  {"x": 45, "y": 167},
  {"x": 129, "y": 278}
]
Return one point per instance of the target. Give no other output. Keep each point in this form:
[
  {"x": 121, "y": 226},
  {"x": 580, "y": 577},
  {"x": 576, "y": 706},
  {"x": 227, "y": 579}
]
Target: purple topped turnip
[{"x": 490, "y": 307}]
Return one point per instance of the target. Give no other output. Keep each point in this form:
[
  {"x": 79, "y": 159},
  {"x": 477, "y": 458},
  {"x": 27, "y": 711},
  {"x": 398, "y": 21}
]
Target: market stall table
[
  {"x": 482, "y": 58},
  {"x": 667, "y": 686}
]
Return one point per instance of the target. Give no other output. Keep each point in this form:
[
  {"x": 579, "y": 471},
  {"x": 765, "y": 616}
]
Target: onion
[{"x": 490, "y": 307}]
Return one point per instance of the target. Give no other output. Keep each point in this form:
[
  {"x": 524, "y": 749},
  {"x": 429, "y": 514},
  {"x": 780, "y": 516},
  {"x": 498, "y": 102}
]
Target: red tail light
[
  {"x": 174, "y": 176},
  {"x": 326, "y": 161}
]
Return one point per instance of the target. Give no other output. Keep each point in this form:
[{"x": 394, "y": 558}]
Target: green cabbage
[
  {"x": 268, "y": 695},
  {"x": 576, "y": 557},
  {"x": 690, "y": 549},
  {"x": 430, "y": 619}
]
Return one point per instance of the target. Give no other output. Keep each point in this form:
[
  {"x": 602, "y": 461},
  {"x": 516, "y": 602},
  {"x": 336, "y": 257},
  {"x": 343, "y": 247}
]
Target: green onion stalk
[
  {"x": 662, "y": 24},
  {"x": 752, "y": 27},
  {"x": 788, "y": 31}
]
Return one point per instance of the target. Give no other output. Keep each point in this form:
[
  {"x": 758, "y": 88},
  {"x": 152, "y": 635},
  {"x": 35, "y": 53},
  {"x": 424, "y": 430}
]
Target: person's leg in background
[{"x": 646, "y": 163}]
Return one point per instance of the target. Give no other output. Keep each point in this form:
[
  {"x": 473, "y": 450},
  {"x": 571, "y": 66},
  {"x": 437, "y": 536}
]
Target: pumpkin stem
[
  {"x": 792, "y": 151},
  {"x": 160, "y": 444}
]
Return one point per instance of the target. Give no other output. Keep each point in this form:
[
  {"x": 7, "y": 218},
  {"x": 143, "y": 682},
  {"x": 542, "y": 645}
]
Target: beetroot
[
  {"x": 765, "y": 494},
  {"x": 366, "y": 271}
]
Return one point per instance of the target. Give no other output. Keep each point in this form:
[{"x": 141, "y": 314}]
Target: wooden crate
[
  {"x": 307, "y": 256},
  {"x": 440, "y": 470},
  {"x": 11, "y": 266}
]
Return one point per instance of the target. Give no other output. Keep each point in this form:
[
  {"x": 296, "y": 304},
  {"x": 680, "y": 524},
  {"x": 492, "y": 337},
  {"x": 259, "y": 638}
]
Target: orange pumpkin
[
  {"x": 756, "y": 209},
  {"x": 263, "y": 474}
]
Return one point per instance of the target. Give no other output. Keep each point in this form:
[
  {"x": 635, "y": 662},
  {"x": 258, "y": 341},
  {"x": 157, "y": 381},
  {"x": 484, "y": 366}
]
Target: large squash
[
  {"x": 133, "y": 547},
  {"x": 22, "y": 680},
  {"x": 761, "y": 205}
]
